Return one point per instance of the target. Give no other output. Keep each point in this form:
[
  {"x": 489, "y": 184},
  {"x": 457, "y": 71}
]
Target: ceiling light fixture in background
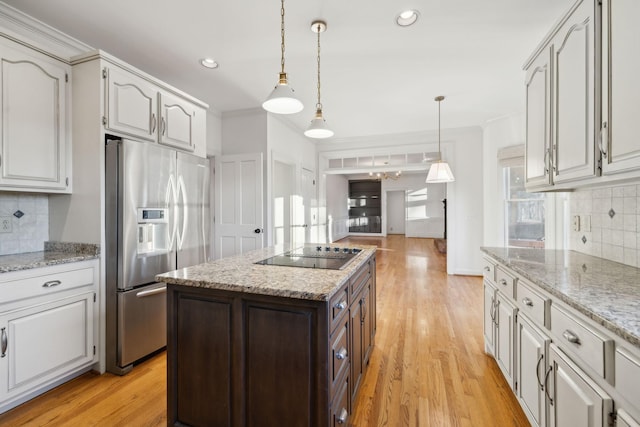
[
  {"x": 318, "y": 127},
  {"x": 209, "y": 63},
  {"x": 385, "y": 175},
  {"x": 439, "y": 170},
  {"x": 282, "y": 100},
  {"x": 407, "y": 17}
]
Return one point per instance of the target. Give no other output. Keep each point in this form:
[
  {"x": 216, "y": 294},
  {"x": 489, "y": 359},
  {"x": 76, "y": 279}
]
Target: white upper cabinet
[
  {"x": 35, "y": 147},
  {"x": 621, "y": 89},
  {"x": 562, "y": 103},
  {"x": 131, "y": 104},
  {"x": 137, "y": 107}
]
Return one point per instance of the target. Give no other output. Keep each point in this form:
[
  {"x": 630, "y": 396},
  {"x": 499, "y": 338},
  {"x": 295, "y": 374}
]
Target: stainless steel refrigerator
[{"x": 157, "y": 220}]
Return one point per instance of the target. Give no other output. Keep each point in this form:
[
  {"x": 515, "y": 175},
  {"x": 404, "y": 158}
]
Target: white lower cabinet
[
  {"x": 531, "y": 367},
  {"x": 505, "y": 323},
  {"x": 47, "y": 328},
  {"x": 576, "y": 400},
  {"x": 489, "y": 318}
]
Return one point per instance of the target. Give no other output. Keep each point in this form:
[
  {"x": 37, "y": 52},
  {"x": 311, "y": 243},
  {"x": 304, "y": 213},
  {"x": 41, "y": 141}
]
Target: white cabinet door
[
  {"x": 531, "y": 351},
  {"x": 177, "y": 122},
  {"x": 620, "y": 86},
  {"x": 574, "y": 51},
  {"x": 489, "y": 318},
  {"x": 131, "y": 104},
  {"x": 43, "y": 342},
  {"x": 624, "y": 419},
  {"x": 33, "y": 127},
  {"x": 577, "y": 399},
  {"x": 538, "y": 124},
  {"x": 505, "y": 321}
]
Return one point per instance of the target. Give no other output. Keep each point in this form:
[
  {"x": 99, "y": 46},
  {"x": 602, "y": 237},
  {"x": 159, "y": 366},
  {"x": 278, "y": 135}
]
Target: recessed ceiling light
[
  {"x": 209, "y": 63},
  {"x": 407, "y": 17}
]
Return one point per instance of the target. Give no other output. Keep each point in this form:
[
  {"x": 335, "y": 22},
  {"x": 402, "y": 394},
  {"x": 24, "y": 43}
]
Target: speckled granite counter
[
  {"x": 54, "y": 253},
  {"x": 605, "y": 291},
  {"x": 241, "y": 274}
]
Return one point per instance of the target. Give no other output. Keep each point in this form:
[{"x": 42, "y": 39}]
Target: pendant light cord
[
  {"x": 282, "y": 35},
  {"x": 319, "y": 104},
  {"x": 439, "y": 99}
]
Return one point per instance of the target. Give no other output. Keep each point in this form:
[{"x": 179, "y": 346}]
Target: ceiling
[{"x": 377, "y": 78}]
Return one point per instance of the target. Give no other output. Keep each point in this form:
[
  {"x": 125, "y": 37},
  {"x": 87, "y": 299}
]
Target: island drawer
[
  {"x": 531, "y": 302},
  {"x": 338, "y": 306},
  {"x": 339, "y": 362},
  {"x": 489, "y": 270},
  {"x": 506, "y": 283},
  {"x": 359, "y": 278},
  {"x": 340, "y": 408},
  {"x": 576, "y": 336}
]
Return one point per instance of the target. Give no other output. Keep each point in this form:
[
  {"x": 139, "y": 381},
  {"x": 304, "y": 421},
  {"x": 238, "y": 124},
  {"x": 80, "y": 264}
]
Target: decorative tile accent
[
  {"x": 584, "y": 239},
  {"x": 18, "y": 214},
  {"x": 612, "y": 213}
]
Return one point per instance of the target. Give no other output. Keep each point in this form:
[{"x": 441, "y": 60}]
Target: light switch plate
[{"x": 5, "y": 224}]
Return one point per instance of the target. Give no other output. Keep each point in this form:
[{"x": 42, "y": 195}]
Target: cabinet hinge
[
  {"x": 66, "y": 181},
  {"x": 66, "y": 78},
  {"x": 104, "y": 120},
  {"x": 94, "y": 297},
  {"x": 94, "y": 350},
  {"x": 516, "y": 387},
  {"x": 104, "y": 73},
  {"x": 314, "y": 182}
]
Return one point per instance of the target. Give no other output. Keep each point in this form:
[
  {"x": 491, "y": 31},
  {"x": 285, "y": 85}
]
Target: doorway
[{"x": 396, "y": 212}]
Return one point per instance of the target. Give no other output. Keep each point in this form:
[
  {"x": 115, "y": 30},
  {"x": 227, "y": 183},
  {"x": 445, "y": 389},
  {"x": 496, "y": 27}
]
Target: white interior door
[{"x": 239, "y": 219}]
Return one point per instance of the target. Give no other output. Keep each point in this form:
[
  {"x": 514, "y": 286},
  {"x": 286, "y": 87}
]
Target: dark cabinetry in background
[{"x": 365, "y": 215}]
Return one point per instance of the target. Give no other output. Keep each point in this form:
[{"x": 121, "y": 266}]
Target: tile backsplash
[
  {"x": 30, "y": 231},
  {"x": 614, "y": 214}
]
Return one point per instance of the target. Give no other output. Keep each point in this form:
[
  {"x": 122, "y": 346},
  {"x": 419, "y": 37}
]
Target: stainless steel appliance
[
  {"x": 157, "y": 204},
  {"x": 327, "y": 257}
]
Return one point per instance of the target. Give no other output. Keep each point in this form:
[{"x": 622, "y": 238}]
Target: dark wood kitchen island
[{"x": 262, "y": 345}]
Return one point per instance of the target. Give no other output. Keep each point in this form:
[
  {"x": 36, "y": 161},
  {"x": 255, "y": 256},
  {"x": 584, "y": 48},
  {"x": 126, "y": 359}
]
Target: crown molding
[{"x": 26, "y": 30}]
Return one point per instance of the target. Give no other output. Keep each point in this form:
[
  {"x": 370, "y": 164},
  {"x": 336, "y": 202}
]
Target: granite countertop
[
  {"x": 605, "y": 291},
  {"x": 241, "y": 274},
  {"x": 54, "y": 253}
]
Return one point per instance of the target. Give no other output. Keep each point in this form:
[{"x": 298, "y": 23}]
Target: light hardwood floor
[{"x": 428, "y": 367}]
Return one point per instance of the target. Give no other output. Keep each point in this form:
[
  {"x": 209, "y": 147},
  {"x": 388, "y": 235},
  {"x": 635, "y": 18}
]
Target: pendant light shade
[
  {"x": 318, "y": 127},
  {"x": 282, "y": 100},
  {"x": 439, "y": 171}
]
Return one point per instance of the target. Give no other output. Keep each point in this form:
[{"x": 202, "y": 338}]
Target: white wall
[
  {"x": 214, "y": 133},
  {"x": 395, "y": 212},
  {"x": 337, "y": 211},
  {"x": 244, "y": 132}
]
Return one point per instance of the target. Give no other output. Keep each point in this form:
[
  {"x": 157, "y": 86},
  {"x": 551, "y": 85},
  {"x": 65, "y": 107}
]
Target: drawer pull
[
  {"x": 527, "y": 301},
  {"x": 341, "y": 305},
  {"x": 5, "y": 343},
  {"x": 503, "y": 282},
  {"x": 571, "y": 337},
  {"x": 51, "y": 283},
  {"x": 150, "y": 292},
  {"x": 342, "y": 418},
  {"x": 341, "y": 354}
]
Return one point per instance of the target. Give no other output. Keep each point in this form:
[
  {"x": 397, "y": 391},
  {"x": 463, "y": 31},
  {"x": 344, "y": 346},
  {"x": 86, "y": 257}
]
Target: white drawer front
[
  {"x": 506, "y": 283},
  {"x": 627, "y": 373},
  {"x": 579, "y": 338},
  {"x": 535, "y": 305},
  {"x": 489, "y": 271},
  {"x": 45, "y": 284}
]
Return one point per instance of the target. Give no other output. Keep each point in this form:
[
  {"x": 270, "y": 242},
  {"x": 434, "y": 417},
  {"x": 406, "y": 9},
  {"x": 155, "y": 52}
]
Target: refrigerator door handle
[
  {"x": 170, "y": 198},
  {"x": 182, "y": 204}
]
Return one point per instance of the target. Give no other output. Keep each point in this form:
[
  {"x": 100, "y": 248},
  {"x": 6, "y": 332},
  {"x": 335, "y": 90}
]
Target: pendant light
[
  {"x": 439, "y": 170},
  {"x": 282, "y": 100},
  {"x": 318, "y": 127}
]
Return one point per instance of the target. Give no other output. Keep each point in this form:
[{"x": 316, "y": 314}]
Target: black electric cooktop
[{"x": 325, "y": 257}]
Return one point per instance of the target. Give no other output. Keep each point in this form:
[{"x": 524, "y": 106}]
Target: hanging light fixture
[
  {"x": 282, "y": 100},
  {"x": 318, "y": 127},
  {"x": 439, "y": 170}
]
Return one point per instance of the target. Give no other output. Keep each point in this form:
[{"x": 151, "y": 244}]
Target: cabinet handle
[
  {"x": 571, "y": 337},
  {"x": 492, "y": 310},
  {"x": 153, "y": 122},
  {"x": 51, "y": 283},
  {"x": 503, "y": 282},
  {"x": 527, "y": 301},
  {"x": 546, "y": 385},
  {"x": 341, "y": 354},
  {"x": 341, "y": 305},
  {"x": 342, "y": 418},
  {"x": 5, "y": 343},
  {"x": 538, "y": 372},
  {"x": 603, "y": 142},
  {"x": 163, "y": 126},
  {"x": 150, "y": 292}
]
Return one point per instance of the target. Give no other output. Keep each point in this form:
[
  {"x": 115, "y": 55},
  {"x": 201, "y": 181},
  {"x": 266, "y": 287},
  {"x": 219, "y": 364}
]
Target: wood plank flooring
[{"x": 428, "y": 367}]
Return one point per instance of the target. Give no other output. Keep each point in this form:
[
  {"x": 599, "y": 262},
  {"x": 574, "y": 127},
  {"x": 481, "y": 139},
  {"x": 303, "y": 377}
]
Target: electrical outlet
[
  {"x": 5, "y": 224},
  {"x": 576, "y": 223}
]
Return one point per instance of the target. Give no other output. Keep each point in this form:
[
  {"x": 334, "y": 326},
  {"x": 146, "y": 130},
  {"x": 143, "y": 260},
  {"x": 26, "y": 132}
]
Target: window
[{"x": 524, "y": 212}]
